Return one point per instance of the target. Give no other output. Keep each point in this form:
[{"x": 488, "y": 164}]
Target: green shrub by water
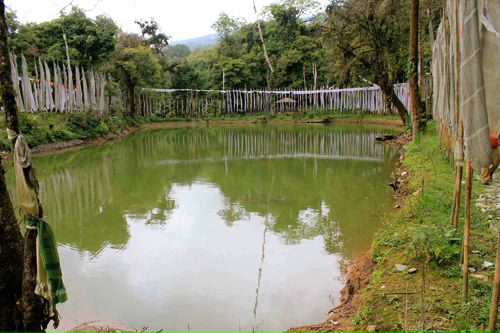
[{"x": 44, "y": 127}]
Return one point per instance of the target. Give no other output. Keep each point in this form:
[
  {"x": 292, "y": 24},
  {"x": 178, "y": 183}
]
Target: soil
[{"x": 95, "y": 326}]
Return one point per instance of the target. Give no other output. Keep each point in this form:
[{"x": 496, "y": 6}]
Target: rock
[
  {"x": 371, "y": 328},
  {"x": 336, "y": 323},
  {"x": 475, "y": 251},
  {"x": 382, "y": 287},
  {"x": 404, "y": 174},
  {"x": 480, "y": 277},
  {"x": 397, "y": 206},
  {"x": 412, "y": 271},
  {"x": 488, "y": 265},
  {"x": 401, "y": 268},
  {"x": 472, "y": 270}
]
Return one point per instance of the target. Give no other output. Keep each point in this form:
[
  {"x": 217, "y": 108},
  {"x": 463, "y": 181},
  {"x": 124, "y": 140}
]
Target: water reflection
[{"x": 246, "y": 217}]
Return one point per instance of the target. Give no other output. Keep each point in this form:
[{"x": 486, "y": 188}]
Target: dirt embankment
[{"x": 359, "y": 273}]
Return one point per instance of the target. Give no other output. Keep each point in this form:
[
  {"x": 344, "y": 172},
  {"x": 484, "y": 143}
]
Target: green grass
[
  {"x": 44, "y": 127},
  {"x": 419, "y": 235}
]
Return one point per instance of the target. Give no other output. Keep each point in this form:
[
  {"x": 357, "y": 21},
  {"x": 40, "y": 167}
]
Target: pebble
[
  {"x": 480, "y": 277},
  {"x": 404, "y": 174},
  {"x": 472, "y": 270},
  {"x": 371, "y": 328},
  {"x": 488, "y": 264},
  {"x": 412, "y": 270},
  {"x": 397, "y": 206},
  {"x": 336, "y": 323},
  {"x": 401, "y": 268}
]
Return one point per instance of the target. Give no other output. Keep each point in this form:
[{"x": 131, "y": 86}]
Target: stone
[
  {"x": 412, "y": 271},
  {"x": 336, "y": 323},
  {"x": 479, "y": 277},
  {"x": 488, "y": 265},
  {"x": 404, "y": 174},
  {"x": 472, "y": 270},
  {"x": 371, "y": 328},
  {"x": 401, "y": 268},
  {"x": 475, "y": 252},
  {"x": 397, "y": 206}
]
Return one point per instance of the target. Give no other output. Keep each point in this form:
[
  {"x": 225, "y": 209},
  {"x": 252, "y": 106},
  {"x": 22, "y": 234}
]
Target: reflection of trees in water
[
  {"x": 160, "y": 214},
  {"x": 87, "y": 193},
  {"x": 320, "y": 142},
  {"x": 232, "y": 213}
]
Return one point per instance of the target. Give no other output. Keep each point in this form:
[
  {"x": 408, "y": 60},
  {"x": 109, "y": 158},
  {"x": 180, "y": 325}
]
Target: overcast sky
[{"x": 180, "y": 19}]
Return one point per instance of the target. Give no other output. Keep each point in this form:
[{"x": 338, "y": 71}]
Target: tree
[
  {"x": 368, "y": 40},
  {"x": 226, "y": 25},
  {"x": 152, "y": 36},
  {"x": 17, "y": 268},
  {"x": 417, "y": 111},
  {"x": 179, "y": 51},
  {"x": 11, "y": 253},
  {"x": 91, "y": 41},
  {"x": 135, "y": 66}
]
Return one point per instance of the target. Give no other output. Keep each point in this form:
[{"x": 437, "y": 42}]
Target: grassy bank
[
  {"x": 419, "y": 236},
  {"x": 44, "y": 128}
]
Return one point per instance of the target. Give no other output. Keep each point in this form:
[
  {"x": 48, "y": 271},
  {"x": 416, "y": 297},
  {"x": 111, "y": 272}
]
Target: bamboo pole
[
  {"x": 467, "y": 230},
  {"x": 496, "y": 291},
  {"x": 459, "y": 126}
]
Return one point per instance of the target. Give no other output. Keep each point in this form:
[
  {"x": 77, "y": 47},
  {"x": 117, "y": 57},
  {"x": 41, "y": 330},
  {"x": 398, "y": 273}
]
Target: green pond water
[{"x": 217, "y": 228}]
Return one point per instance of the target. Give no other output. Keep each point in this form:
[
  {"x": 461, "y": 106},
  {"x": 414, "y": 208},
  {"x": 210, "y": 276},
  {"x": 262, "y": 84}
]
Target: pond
[{"x": 214, "y": 228}]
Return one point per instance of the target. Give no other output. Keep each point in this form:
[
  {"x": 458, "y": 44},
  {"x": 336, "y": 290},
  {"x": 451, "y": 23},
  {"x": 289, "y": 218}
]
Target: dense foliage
[{"x": 348, "y": 43}]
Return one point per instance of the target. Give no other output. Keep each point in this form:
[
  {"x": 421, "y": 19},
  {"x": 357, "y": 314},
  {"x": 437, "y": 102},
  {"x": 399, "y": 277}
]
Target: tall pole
[
  {"x": 467, "y": 230},
  {"x": 496, "y": 291},
  {"x": 416, "y": 104},
  {"x": 459, "y": 126}
]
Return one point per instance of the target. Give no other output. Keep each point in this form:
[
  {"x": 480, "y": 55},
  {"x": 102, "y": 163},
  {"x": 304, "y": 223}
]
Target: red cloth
[{"x": 494, "y": 142}]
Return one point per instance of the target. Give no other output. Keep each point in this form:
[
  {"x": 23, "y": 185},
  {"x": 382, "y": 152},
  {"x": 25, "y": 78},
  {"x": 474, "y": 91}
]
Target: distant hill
[{"x": 198, "y": 42}]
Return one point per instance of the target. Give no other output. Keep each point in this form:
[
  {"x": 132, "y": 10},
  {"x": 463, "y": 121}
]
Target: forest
[{"x": 294, "y": 44}]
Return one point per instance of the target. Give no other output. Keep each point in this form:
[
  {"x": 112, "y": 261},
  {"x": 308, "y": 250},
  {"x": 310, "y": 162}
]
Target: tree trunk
[
  {"x": 131, "y": 98},
  {"x": 388, "y": 91},
  {"x": 418, "y": 121},
  {"x": 11, "y": 257},
  {"x": 31, "y": 303}
]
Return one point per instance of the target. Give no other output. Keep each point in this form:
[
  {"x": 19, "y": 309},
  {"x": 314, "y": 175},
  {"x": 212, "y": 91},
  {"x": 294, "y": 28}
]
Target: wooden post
[
  {"x": 468, "y": 180},
  {"x": 496, "y": 291}
]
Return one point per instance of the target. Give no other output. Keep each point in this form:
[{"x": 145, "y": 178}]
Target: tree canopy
[
  {"x": 348, "y": 43},
  {"x": 91, "y": 42}
]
